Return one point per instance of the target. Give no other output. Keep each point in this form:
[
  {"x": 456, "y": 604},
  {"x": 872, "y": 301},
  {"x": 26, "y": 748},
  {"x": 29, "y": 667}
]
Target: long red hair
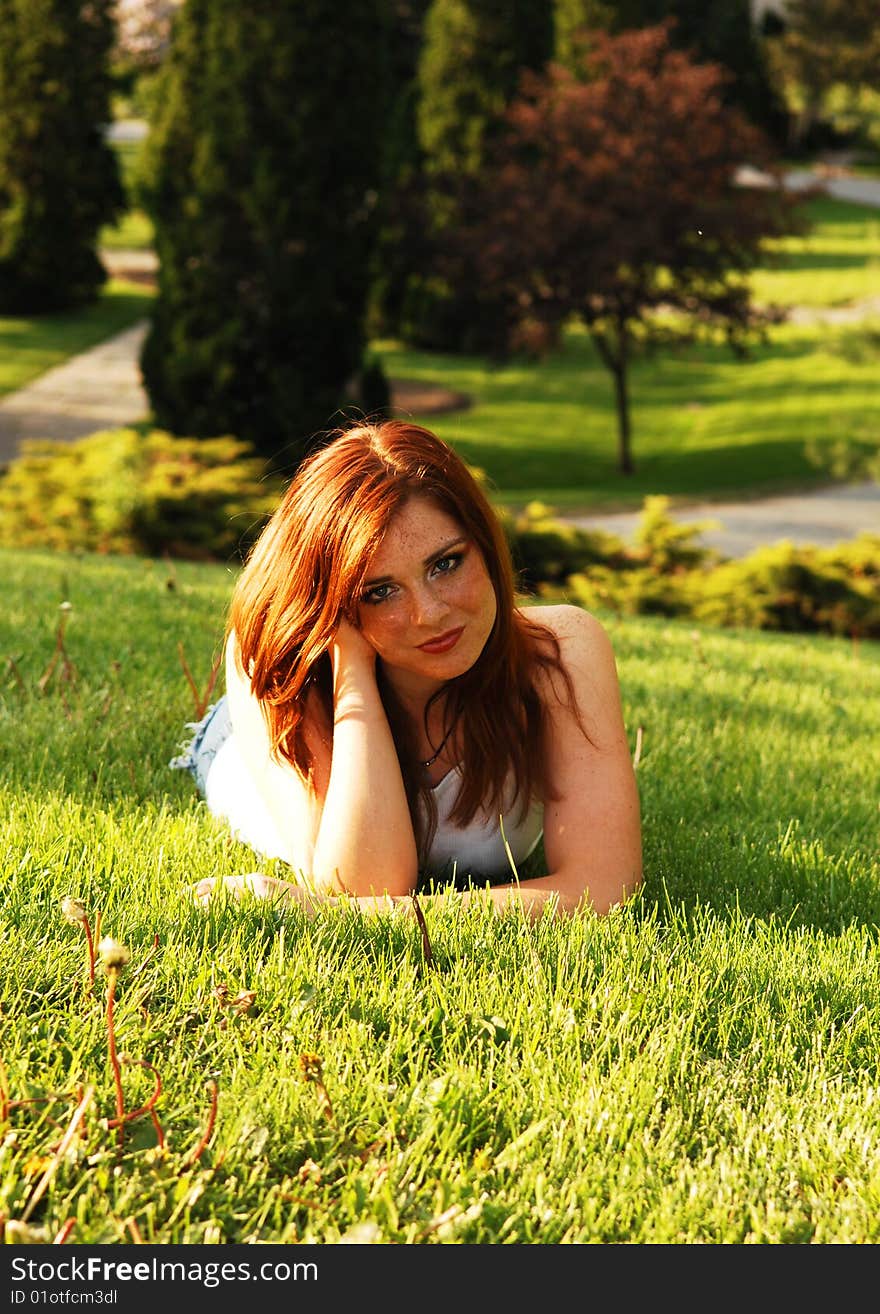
[{"x": 307, "y": 571}]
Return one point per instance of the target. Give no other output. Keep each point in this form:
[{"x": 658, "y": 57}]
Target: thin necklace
[{"x": 432, "y": 760}]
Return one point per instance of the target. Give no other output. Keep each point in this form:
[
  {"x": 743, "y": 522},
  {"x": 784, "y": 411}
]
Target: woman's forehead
[{"x": 417, "y": 530}]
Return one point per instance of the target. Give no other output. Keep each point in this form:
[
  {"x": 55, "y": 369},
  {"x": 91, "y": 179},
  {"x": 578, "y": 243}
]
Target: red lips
[{"x": 443, "y": 642}]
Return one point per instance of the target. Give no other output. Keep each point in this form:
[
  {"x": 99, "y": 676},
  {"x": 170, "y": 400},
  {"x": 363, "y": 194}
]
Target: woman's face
[{"x": 428, "y": 605}]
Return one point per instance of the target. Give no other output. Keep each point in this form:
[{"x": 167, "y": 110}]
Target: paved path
[
  {"x": 823, "y": 517},
  {"x": 100, "y": 389},
  {"x": 864, "y": 191}
]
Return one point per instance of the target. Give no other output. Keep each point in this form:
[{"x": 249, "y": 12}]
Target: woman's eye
[
  {"x": 379, "y": 593},
  {"x": 444, "y": 565}
]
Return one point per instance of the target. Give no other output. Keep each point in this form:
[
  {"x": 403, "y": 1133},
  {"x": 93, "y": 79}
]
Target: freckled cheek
[
  {"x": 477, "y": 598},
  {"x": 383, "y": 632}
]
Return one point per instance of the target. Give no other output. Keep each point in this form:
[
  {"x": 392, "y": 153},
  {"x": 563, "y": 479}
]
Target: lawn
[
  {"x": 32, "y": 344},
  {"x": 699, "y": 1067},
  {"x": 134, "y": 230},
  {"x": 705, "y": 424},
  {"x": 836, "y": 263}
]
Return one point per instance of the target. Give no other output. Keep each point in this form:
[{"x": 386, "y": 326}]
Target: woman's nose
[{"x": 428, "y": 606}]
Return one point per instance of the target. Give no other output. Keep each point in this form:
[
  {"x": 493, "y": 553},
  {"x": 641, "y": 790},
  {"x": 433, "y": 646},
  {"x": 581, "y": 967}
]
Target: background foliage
[
  {"x": 263, "y": 233},
  {"x": 59, "y": 179}
]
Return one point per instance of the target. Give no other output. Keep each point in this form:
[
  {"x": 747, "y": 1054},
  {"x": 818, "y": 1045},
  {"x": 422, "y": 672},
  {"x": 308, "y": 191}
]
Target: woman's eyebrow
[{"x": 432, "y": 556}]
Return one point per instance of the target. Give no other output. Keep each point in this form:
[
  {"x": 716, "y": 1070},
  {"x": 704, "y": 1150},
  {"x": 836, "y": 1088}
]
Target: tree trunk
[
  {"x": 621, "y": 397},
  {"x": 612, "y": 346}
]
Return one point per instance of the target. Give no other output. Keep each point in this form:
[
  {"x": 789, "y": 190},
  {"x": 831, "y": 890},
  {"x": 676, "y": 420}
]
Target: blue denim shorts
[{"x": 207, "y": 737}]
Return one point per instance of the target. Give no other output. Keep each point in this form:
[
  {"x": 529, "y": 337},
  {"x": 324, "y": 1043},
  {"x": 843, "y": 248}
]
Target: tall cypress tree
[
  {"x": 472, "y": 57},
  {"x": 399, "y": 250},
  {"x": 261, "y": 177},
  {"x": 59, "y": 179}
]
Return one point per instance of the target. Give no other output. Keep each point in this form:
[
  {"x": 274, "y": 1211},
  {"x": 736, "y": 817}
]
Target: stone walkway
[
  {"x": 99, "y": 389},
  {"x": 822, "y": 518}
]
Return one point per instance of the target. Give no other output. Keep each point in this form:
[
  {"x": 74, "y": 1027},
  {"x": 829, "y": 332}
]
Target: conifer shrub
[
  {"x": 260, "y": 176},
  {"x": 546, "y": 551},
  {"x": 118, "y": 491},
  {"x": 470, "y": 62},
  {"x": 803, "y": 589},
  {"x": 59, "y": 178},
  {"x": 800, "y": 589}
]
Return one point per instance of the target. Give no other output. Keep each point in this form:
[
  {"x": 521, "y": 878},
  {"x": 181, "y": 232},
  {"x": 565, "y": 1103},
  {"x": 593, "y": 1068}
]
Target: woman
[{"x": 392, "y": 717}]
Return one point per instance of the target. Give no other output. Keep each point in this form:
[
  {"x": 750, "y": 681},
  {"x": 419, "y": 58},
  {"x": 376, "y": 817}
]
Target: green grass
[
  {"x": 699, "y": 1067},
  {"x": 134, "y": 230},
  {"x": 32, "y": 344},
  {"x": 706, "y": 425},
  {"x": 837, "y": 262}
]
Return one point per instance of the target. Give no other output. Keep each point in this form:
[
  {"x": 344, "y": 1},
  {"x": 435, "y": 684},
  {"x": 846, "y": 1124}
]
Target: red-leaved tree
[{"x": 614, "y": 197}]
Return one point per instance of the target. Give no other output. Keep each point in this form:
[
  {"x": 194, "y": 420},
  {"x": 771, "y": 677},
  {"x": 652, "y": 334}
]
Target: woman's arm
[
  {"x": 365, "y": 845},
  {"x": 592, "y": 832},
  {"x": 352, "y": 832}
]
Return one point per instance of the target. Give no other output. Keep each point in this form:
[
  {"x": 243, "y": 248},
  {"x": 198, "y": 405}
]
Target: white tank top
[{"x": 478, "y": 848}]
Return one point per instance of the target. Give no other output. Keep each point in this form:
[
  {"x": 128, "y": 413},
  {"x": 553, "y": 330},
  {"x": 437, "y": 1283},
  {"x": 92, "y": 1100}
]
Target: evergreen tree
[
  {"x": 820, "y": 44},
  {"x": 399, "y": 250},
  {"x": 59, "y": 179},
  {"x": 472, "y": 57},
  {"x": 261, "y": 177}
]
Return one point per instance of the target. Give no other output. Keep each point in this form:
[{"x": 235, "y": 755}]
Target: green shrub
[
  {"x": 119, "y": 491},
  {"x": 784, "y": 587},
  {"x": 548, "y": 551},
  {"x": 666, "y": 545},
  {"x": 59, "y": 179},
  {"x": 832, "y": 590},
  {"x": 636, "y": 591}
]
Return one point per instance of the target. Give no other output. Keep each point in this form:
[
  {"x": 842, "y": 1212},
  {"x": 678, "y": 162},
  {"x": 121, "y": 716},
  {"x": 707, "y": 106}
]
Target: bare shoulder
[
  {"x": 581, "y": 637},
  {"x": 588, "y": 661}
]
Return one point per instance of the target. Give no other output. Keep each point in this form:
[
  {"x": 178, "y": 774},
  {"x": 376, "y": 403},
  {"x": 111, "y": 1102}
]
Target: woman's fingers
[
  {"x": 253, "y": 882},
  {"x": 350, "y": 648}
]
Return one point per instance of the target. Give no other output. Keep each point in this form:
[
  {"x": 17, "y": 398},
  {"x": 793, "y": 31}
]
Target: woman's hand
[
  {"x": 261, "y": 887},
  {"x": 350, "y": 651}
]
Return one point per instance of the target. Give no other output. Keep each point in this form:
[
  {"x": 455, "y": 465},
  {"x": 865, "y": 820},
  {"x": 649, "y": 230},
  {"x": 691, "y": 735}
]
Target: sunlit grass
[
  {"x": 705, "y": 423},
  {"x": 134, "y": 230},
  {"x": 835, "y": 263},
  {"x": 700, "y": 1067}
]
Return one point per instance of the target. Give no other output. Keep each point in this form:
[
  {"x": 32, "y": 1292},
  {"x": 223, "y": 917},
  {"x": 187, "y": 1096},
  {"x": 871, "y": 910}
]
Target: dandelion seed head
[
  {"x": 113, "y": 954},
  {"x": 74, "y": 910},
  {"x": 22, "y": 1234}
]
